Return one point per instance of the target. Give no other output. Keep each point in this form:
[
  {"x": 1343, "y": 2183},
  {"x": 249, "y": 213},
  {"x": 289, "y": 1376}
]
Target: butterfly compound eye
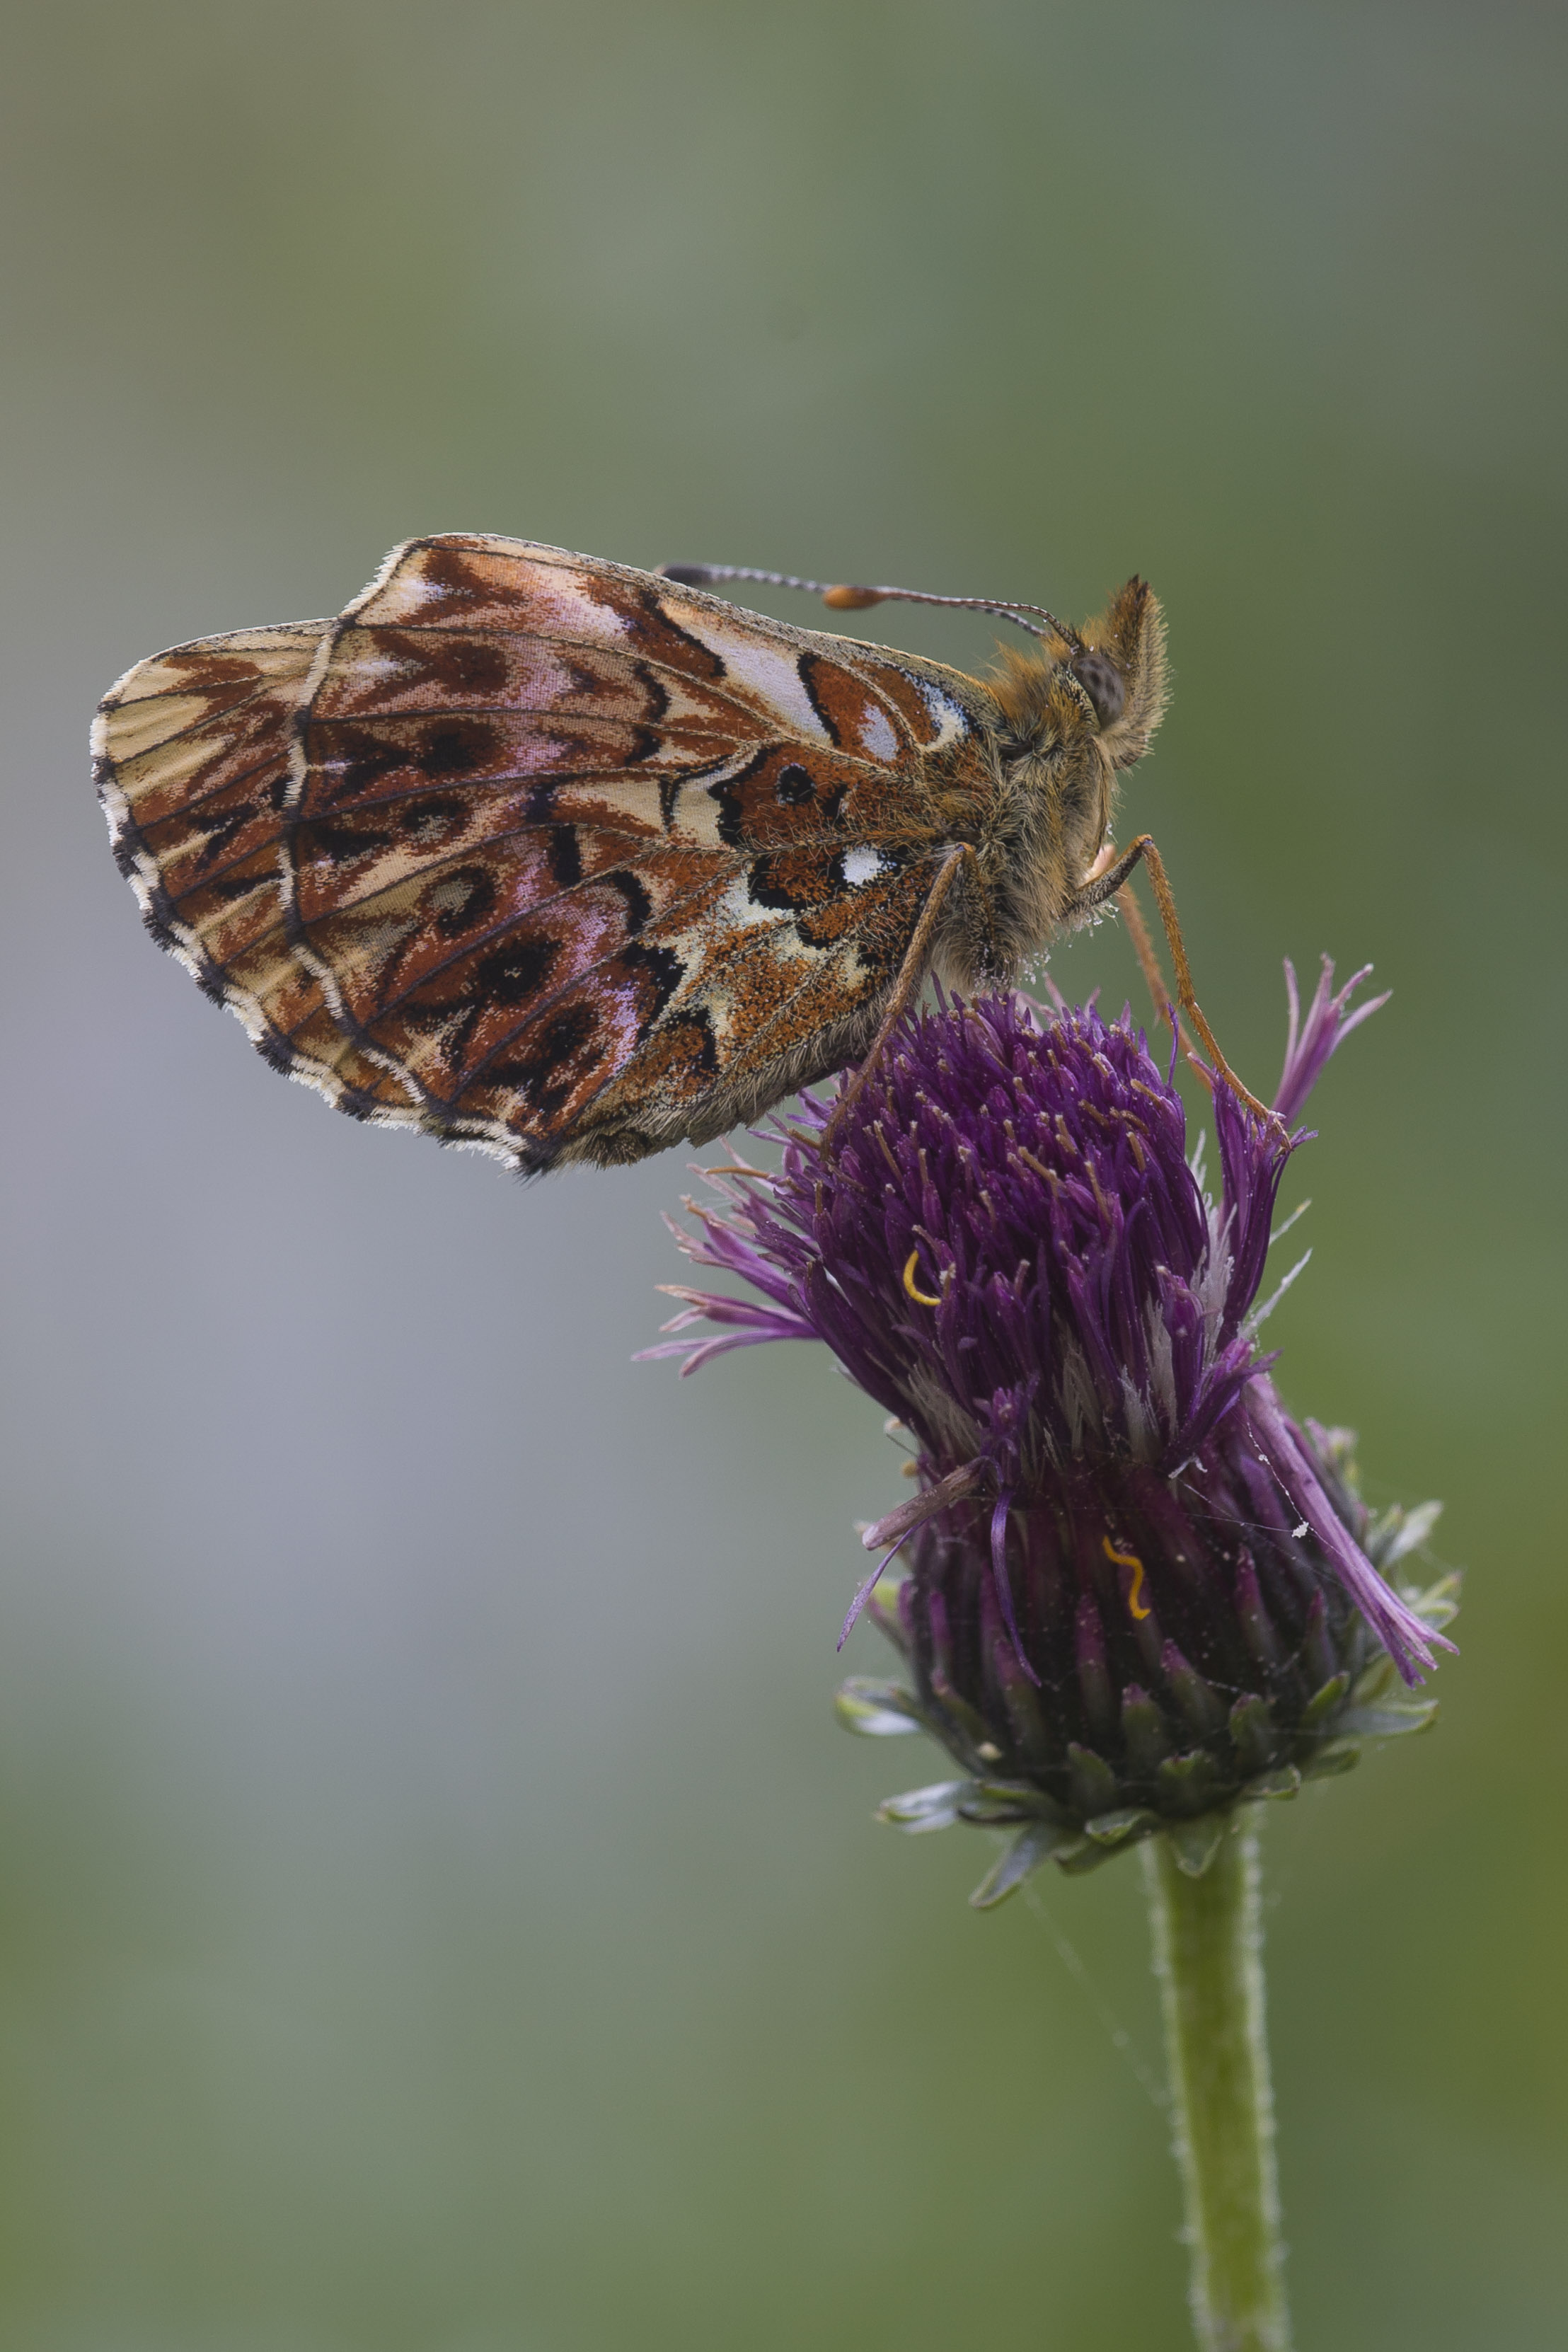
[{"x": 1101, "y": 681}]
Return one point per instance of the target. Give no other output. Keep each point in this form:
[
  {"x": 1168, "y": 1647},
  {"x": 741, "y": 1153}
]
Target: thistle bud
[{"x": 1134, "y": 1592}]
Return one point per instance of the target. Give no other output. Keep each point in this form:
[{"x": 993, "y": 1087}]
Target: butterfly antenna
[{"x": 843, "y": 598}]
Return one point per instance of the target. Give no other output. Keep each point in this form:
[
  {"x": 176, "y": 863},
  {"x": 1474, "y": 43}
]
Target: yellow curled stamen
[
  {"x": 921, "y": 1297},
  {"x": 1129, "y": 1559}
]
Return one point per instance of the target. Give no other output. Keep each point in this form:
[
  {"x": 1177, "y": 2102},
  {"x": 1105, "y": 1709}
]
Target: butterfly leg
[
  {"x": 1149, "y": 964},
  {"x": 911, "y": 971},
  {"x": 1108, "y": 886}
]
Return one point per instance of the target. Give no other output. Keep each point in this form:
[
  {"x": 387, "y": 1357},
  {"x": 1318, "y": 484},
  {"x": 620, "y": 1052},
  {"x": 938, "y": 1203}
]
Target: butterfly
[{"x": 565, "y": 861}]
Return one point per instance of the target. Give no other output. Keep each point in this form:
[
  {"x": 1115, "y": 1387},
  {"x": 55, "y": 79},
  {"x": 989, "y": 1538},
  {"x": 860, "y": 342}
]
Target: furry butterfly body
[{"x": 565, "y": 861}]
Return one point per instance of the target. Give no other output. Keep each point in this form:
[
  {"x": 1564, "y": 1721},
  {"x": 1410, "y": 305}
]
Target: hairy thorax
[{"x": 1043, "y": 827}]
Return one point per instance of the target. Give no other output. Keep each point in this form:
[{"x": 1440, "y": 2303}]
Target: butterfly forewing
[{"x": 536, "y": 852}]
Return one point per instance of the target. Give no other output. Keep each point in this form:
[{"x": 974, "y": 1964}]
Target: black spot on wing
[
  {"x": 515, "y": 971},
  {"x": 808, "y": 666},
  {"x": 541, "y": 1072},
  {"x": 696, "y": 1037},
  {"x": 230, "y": 887},
  {"x": 564, "y": 855},
  {"x": 458, "y": 746},
  {"x": 662, "y": 638},
  {"x": 657, "y": 693},
  {"x": 433, "y": 821},
  {"x": 659, "y": 973},
  {"x": 362, "y": 759},
  {"x": 338, "y": 843},
  {"x": 646, "y": 742},
  {"x": 460, "y": 665},
  {"x": 782, "y": 882},
  {"x": 638, "y": 905},
  {"x": 464, "y": 665},
  {"x": 730, "y": 800},
  {"x": 469, "y": 900},
  {"x": 792, "y": 787},
  {"x": 222, "y": 830}
]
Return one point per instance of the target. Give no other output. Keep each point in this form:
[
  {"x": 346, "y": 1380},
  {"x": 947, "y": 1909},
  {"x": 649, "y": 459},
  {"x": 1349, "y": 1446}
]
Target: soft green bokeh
[{"x": 437, "y": 1913}]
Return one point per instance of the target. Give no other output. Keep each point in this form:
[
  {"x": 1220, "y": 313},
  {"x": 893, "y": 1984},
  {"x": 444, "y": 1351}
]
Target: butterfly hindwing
[
  {"x": 539, "y": 852},
  {"x": 193, "y": 762}
]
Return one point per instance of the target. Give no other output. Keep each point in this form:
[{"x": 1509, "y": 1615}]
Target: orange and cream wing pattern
[{"x": 537, "y": 853}]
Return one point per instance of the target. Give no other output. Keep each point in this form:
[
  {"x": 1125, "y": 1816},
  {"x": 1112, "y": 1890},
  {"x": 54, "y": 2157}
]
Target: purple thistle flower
[{"x": 1138, "y": 1589}]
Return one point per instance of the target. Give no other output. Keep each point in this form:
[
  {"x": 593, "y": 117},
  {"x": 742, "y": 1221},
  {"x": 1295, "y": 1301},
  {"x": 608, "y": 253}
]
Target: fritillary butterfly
[{"x": 565, "y": 861}]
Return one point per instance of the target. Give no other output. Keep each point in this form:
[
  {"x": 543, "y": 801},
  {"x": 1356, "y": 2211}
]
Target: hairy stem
[{"x": 1208, "y": 1956}]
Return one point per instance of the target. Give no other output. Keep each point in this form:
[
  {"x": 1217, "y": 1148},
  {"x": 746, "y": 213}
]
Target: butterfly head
[
  {"x": 1104, "y": 685},
  {"x": 1117, "y": 664}
]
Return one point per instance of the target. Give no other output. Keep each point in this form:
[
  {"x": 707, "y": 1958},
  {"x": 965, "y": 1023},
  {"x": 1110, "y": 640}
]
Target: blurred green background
[{"x": 437, "y": 1911}]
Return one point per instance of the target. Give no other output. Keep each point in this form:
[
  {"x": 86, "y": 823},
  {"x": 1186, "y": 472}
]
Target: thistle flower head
[{"x": 1133, "y": 1576}]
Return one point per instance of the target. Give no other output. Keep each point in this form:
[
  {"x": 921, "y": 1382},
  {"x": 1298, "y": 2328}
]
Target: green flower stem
[{"x": 1208, "y": 1945}]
